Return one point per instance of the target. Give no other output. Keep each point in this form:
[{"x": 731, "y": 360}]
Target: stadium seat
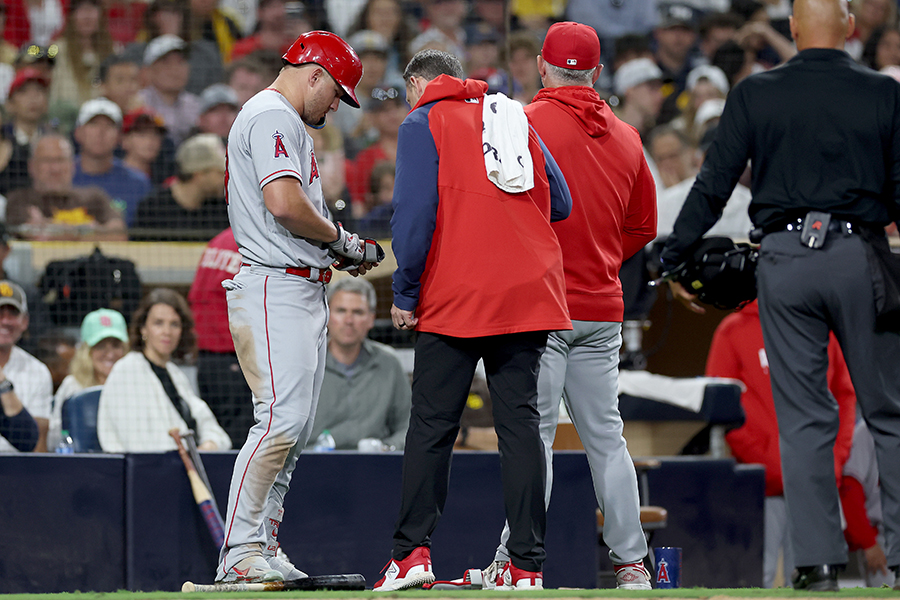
[{"x": 79, "y": 417}]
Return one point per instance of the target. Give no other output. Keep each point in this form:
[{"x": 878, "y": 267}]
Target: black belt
[{"x": 835, "y": 225}]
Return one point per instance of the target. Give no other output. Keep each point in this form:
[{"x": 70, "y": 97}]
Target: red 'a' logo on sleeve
[
  {"x": 313, "y": 167},
  {"x": 280, "y": 150}
]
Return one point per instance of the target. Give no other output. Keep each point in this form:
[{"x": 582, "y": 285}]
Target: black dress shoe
[{"x": 821, "y": 578}]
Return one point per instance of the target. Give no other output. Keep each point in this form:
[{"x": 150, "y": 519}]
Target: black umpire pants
[
  {"x": 442, "y": 375},
  {"x": 804, "y": 293}
]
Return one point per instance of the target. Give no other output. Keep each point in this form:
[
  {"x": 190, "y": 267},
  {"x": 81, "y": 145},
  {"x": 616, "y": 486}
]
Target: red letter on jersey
[
  {"x": 280, "y": 150},
  {"x": 313, "y": 167}
]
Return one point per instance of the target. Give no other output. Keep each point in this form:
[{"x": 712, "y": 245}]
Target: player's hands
[
  {"x": 373, "y": 254},
  {"x": 876, "y": 562},
  {"x": 686, "y": 298},
  {"x": 346, "y": 245},
  {"x": 404, "y": 320}
]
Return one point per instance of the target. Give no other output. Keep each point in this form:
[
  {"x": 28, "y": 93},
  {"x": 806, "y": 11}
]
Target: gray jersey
[{"x": 269, "y": 140}]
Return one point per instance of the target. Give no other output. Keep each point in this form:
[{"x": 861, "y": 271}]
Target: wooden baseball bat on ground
[
  {"x": 201, "y": 494},
  {"x": 348, "y": 582}
]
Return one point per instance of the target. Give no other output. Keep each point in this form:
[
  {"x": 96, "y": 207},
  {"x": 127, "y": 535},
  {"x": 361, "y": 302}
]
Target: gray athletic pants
[
  {"x": 582, "y": 367},
  {"x": 804, "y": 293}
]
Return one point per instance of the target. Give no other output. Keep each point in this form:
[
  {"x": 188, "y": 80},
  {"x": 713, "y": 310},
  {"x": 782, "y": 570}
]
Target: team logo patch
[
  {"x": 313, "y": 167},
  {"x": 280, "y": 150},
  {"x": 571, "y": 61},
  {"x": 662, "y": 572}
]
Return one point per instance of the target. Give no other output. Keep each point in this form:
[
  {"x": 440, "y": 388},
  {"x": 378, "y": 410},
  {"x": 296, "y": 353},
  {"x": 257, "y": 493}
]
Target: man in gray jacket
[{"x": 366, "y": 392}]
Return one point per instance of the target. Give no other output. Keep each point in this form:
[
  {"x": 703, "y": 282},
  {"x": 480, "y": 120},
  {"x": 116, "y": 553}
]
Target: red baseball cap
[
  {"x": 571, "y": 45},
  {"x": 140, "y": 118},
  {"x": 26, "y": 75}
]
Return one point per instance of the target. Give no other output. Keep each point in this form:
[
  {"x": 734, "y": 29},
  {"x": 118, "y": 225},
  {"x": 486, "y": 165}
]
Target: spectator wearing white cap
[
  {"x": 706, "y": 82},
  {"x": 98, "y": 131},
  {"x": 638, "y": 85},
  {"x": 167, "y": 71},
  {"x": 195, "y": 202},
  {"x": 219, "y": 106}
]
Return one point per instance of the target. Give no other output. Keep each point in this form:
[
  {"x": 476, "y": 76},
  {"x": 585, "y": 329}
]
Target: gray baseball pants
[
  {"x": 804, "y": 293},
  {"x": 582, "y": 367}
]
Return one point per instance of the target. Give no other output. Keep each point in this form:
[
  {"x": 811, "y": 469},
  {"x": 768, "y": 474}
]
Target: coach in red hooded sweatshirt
[{"x": 613, "y": 216}]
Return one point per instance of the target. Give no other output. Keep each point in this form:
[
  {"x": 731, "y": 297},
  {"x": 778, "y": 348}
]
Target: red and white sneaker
[
  {"x": 632, "y": 576},
  {"x": 513, "y": 578},
  {"x": 411, "y": 572}
]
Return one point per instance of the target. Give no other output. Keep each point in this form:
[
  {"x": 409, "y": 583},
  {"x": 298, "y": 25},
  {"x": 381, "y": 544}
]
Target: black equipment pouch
[{"x": 815, "y": 229}]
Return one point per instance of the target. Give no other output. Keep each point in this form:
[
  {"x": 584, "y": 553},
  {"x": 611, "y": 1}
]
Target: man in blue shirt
[{"x": 98, "y": 132}]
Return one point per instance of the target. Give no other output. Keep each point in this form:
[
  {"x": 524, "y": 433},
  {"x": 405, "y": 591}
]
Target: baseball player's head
[
  {"x": 570, "y": 55},
  {"x": 821, "y": 23},
  {"x": 330, "y": 70},
  {"x": 425, "y": 66}
]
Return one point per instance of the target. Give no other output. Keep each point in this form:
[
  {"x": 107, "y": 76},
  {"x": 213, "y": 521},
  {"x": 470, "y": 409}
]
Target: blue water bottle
[{"x": 668, "y": 567}]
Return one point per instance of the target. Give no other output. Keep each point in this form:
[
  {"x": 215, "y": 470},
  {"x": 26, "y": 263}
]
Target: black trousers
[
  {"x": 223, "y": 387},
  {"x": 804, "y": 294},
  {"x": 443, "y": 372}
]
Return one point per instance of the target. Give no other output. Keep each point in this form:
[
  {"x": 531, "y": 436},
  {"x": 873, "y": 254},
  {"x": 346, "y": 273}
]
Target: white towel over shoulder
[{"x": 507, "y": 159}]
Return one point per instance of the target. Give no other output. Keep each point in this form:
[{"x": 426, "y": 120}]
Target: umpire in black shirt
[{"x": 822, "y": 134}]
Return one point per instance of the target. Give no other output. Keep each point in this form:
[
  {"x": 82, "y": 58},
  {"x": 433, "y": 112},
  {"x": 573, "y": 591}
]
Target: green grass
[{"x": 562, "y": 593}]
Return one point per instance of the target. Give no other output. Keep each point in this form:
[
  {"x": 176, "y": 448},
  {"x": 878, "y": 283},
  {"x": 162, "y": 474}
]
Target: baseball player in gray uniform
[{"x": 276, "y": 304}]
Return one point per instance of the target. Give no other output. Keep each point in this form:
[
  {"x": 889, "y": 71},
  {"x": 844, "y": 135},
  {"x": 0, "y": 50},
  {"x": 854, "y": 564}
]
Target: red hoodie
[
  {"x": 472, "y": 260},
  {"x": 737, "y": 351},
  {"x": 613, "y": 195}
]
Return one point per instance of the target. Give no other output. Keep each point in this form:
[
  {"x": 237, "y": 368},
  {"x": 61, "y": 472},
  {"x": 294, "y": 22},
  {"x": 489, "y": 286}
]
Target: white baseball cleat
[
  {"x": 281, "y": 563},
  {"x": 253, "y": 569},
  {"x": 412, "y": 572},
  {"x": 513, "y": 578},
  {"x": 491, "y": 576},
  {"x": 632, "y": 576}
]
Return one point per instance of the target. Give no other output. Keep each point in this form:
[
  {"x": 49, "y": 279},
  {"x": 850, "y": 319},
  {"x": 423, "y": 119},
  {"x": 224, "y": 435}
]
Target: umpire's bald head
[{"x": 821, "y": 23}]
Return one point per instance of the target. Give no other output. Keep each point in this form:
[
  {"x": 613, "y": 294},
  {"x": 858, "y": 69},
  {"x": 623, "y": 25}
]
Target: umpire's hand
[{"x": 686, "y": 298}]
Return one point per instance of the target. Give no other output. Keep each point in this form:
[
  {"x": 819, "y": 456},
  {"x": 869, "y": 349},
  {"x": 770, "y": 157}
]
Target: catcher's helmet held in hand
[
  {"x": 720, "y": 272},
  {"x": 334, "y": 54}
]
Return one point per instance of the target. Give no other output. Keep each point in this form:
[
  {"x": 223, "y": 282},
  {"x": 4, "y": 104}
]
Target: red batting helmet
[{"x": 334, "y": 54}]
